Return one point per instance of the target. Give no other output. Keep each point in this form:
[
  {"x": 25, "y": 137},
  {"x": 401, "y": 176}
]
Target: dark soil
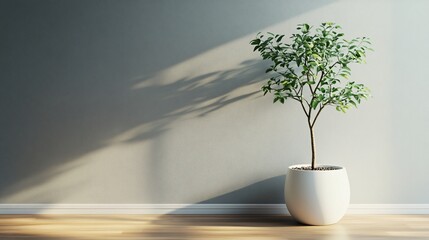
[{"x": 321, "y": 168}]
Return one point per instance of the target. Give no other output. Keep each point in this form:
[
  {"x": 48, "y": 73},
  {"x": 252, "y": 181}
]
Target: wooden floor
[{"x": 404, "y": 227}]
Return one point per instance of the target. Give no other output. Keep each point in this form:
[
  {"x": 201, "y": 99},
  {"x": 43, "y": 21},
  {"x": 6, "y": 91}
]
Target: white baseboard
[
  {"x": 388, "y": 209},
  {"x": 197, "y": 209},
  {"x": 143, "y": 209}
]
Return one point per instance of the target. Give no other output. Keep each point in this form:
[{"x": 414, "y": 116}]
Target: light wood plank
[{"x": 209, "y": 227}]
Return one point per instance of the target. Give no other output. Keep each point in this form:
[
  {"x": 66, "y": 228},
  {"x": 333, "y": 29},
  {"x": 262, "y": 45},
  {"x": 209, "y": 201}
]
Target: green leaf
[
  {"x": 306, "y": 28},
  {"x": 315, "y": 102},
  {"x": 344, "y": 75},
  {"x": 315, "y": 56},
  {"x": 255, "y": 41}
]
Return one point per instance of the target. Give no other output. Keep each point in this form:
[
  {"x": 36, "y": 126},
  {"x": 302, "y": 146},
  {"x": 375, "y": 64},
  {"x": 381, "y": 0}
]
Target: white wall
[{"x": 158, "y": 102}]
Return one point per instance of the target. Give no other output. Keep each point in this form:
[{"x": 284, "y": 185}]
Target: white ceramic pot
[{"x": 317, "y": 197}]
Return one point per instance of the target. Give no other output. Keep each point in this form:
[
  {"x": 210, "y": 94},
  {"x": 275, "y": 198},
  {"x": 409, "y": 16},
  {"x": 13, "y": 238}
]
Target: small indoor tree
[{"x": 313, "y": 69}]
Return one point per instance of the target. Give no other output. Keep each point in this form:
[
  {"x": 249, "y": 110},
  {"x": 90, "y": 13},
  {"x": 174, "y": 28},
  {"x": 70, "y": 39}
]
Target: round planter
[{"x": 317, "y": 197}]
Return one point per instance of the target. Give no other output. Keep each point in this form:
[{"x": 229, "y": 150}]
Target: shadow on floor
[
  {"x": 268, "y": 191},
  {"x": 227, "y": 220}
]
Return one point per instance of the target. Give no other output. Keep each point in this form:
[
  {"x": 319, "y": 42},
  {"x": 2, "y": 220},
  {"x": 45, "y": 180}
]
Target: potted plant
[{"x": 313, "y": 69}]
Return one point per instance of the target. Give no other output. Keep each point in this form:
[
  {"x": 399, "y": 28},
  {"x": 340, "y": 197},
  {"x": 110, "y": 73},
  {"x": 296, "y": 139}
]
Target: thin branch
[
  {"x": 309, "y": 85},
  {"x": 308, "y": 76},
  {"x": 320, "y": 80},
  {"x": 299, "y": 93},
  {"x": 291, "y": 70},
  {"x": 305, "y": 111},
  {"x": 317, "y": 114},
  {"x": 305, "y": 100},
  {"x": 335, "y": 63}
]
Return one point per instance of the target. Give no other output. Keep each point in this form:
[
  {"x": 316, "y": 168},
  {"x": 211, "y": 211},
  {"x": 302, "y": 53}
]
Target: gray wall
[{"x": 158, "y": 102}]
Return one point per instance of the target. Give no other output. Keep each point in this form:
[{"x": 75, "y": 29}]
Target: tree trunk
[{"x": 313, "y": 148}]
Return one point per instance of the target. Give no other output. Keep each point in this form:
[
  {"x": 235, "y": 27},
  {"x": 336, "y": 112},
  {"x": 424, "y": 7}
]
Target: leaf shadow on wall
[{"x": 165, "y": 103}]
